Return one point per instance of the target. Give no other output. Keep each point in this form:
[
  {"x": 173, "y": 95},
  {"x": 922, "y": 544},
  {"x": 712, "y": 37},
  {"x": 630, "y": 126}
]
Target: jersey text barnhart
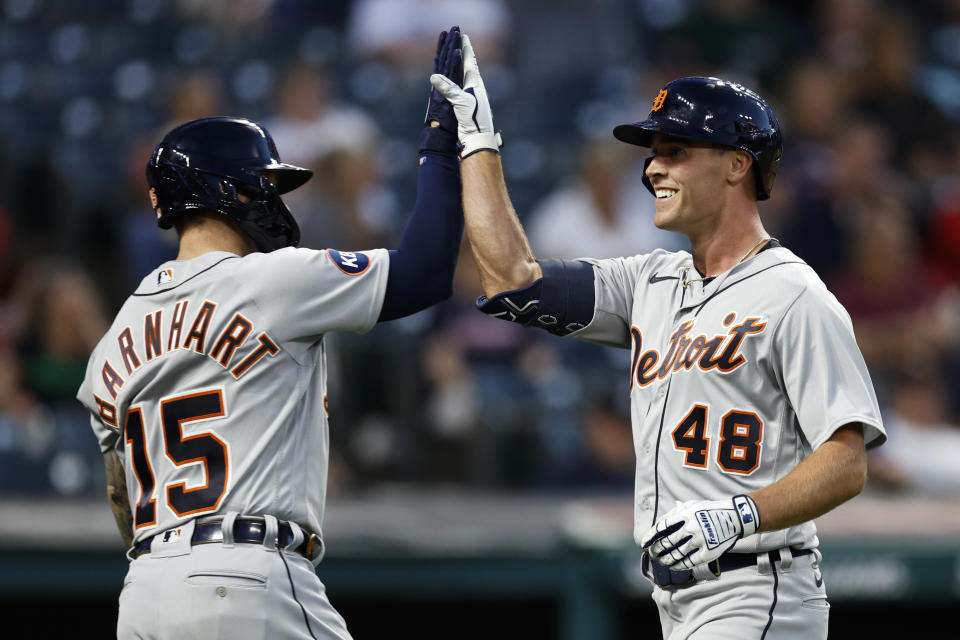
[{"x": 158, "y": 341}]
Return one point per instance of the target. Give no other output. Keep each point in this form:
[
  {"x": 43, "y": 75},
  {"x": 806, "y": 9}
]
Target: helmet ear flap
[{"x": 646, "y": 180}]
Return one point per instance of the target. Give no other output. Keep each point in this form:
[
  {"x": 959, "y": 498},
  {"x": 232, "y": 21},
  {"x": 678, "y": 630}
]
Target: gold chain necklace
[{"x": 686, "y": 282}]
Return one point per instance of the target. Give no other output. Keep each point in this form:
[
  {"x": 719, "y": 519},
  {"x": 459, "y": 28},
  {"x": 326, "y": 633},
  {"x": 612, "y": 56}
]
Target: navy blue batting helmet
[
  {"x": 205, "y": 164},
  {"x": 717, "y": 111}
]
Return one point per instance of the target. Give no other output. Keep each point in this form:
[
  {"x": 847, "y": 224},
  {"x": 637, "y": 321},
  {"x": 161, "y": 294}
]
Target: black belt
[
  {"x": 245, "y": 530},
  {"x": 667, "y": 578}
]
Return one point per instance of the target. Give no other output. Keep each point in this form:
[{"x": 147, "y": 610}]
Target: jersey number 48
[{"x": 740, "y": 435}]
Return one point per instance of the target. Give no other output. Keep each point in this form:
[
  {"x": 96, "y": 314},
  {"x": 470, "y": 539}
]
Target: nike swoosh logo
[{"x": 655, "y": 278}]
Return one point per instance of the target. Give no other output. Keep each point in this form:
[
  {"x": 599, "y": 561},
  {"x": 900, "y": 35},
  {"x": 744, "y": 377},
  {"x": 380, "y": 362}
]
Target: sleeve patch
[{"x": 351, "y": 263}]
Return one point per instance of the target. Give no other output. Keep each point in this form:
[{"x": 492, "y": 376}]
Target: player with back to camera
[
  {"x": 208, "y": 393},
  {"x": 751, "y": 403}
]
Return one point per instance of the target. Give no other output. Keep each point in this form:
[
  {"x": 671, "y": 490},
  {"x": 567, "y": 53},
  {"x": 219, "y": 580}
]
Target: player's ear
[{"x": 739, "y": 163}]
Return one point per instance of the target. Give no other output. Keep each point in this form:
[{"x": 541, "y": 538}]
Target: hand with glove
[
  {"x": 470, "y": 105},
  {"x": 440, "y": 131},
  {"x": 698, "y": 532}
]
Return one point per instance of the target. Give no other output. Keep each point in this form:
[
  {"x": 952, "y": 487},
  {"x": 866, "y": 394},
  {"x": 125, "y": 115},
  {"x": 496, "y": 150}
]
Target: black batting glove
[{"x": 448, "y": 62}]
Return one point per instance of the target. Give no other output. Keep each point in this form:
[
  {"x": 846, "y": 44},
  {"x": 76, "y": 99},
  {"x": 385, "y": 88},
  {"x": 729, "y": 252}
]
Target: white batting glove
[
  {"x": 700, "y": 531},
  {"x": 470, "y": 105}
]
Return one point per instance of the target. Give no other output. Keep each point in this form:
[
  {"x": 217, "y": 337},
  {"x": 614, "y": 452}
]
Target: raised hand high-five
[{"x": 470, "y": 105}]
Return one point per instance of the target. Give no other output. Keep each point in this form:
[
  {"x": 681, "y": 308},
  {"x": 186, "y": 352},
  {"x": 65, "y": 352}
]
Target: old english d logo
[
  {"x": 154, "y": 202},
  {"x": 658, "y": 101}
]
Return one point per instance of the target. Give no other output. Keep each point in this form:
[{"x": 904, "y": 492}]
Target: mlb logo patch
[
  {"x": 352, "y": 264},
  {"x": 171, "y": 535},
  {"x": 164, "y": 276}
]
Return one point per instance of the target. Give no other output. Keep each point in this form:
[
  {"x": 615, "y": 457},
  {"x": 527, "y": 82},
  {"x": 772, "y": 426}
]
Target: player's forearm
[
  {"x": 117, "y": 496},
  {"x": 499, "y": 244},
  {"x": 831, "y": 475}
]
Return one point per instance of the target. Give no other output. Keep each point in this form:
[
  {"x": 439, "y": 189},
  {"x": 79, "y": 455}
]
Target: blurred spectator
[
  {"x": 346, "y": 204},
  {"x": 605, "y": 460},
  {"x": 235, "y": 13},
  {"x": 889, "y": 85},
  {"x": 197, "y": 93},
  {"x": 25, "y": 434},
  {"x": 481, "y": 428},
  {"x": 10, "y": 312},
  {"x": 744, "y": 38},
  {"x": 841, "y": 30},
  {"x": 602, "y": 212},
  {"x": 402, "y": 34},
  {"x": 802, "y": 211},
  {"x": 943, "y": 238},
  {"x": 904, "y": 315},
  {"x": 145, "y": 245},
  {"x": 66, "y": 322},
  {"x": 923, "y": 447},
  {"x": 310, "y": 119}
]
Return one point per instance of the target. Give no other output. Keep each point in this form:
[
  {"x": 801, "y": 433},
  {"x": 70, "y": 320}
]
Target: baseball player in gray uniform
[
  {"x": 208, "y": 392},
  {"x": 751, "y": 404}
]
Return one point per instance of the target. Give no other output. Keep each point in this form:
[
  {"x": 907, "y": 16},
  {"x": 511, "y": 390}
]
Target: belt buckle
[{"x": 310, "y": 546}]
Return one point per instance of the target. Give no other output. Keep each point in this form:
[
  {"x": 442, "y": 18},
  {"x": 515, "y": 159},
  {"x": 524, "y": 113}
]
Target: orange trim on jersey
[
  {"x": 267, "y": 346},
  {"x": 636, "y": 340},
  {"x": 146, "y": 457},
  {"x": 108, "y": 412},
  {"x": 205, "y": 434},
  {"x": 228, "y": 342},
  {"x": 201, "y": 322},
  {"x": 702, "y": 423},
  {"x": 689, "y": 359},
  {"x": 357, "y": 253},
  {"x": 130, "y": 359},
  {"x": 111, "y": 379},
  {"x": 647, "y": 363},
  {"x": 734, "y": 448},
  {"x": 151, "y": 334},
  {"x": 176, "y": 325},
  {"x": 708, "y": 351}
]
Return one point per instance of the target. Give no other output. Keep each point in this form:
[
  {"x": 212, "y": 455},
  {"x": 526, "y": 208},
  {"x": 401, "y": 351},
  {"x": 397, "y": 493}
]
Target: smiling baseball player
[
  {"x": 751, "y": 403},
  {"x": 208, "y": 392}
]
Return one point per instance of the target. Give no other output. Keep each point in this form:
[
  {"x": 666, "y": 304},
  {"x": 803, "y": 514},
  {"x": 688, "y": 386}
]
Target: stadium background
[{"x": 481, "y": 476}]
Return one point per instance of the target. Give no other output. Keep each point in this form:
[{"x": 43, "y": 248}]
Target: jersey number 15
[{"x": 205, "y": 448}]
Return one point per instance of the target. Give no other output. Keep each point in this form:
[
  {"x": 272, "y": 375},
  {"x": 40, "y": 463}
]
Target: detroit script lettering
[{"x": 720, "y": 352}]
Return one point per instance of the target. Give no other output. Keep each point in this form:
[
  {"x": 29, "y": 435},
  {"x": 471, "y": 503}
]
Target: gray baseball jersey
[
  {"x": 211, "y": 382},
  {"x": 733, "y": 381}
]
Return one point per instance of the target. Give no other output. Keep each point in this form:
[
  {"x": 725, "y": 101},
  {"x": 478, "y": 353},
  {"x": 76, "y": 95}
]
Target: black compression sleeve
[
  {"x": 560, "y": 302},
  {"x": 422, "y": 266}
]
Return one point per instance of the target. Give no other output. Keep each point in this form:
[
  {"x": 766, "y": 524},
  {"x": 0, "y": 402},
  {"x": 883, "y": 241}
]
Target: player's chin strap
[{"x": 560, "y": 302}]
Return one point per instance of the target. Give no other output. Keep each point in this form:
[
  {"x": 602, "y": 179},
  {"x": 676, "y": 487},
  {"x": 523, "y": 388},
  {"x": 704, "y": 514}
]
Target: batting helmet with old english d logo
[{"x": 717, "y": 111}]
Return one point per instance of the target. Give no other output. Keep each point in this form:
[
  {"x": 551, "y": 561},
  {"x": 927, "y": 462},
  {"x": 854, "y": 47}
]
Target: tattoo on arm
[{"x": 117, "y": 496}]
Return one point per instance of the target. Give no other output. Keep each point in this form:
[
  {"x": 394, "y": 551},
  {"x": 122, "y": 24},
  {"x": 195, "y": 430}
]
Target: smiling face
[{"x": 690, "y": 179}]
